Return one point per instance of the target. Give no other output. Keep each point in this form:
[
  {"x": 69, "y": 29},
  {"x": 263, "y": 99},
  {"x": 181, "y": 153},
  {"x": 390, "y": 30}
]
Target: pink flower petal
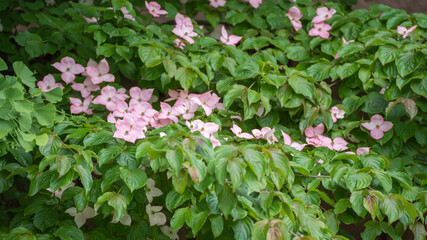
[
  {"x": 377, "y": 134},
  {"x": 386, "y": 126}
]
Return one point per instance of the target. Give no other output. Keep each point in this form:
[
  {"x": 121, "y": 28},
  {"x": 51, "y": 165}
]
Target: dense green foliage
[{"x": 245, "y": 189}]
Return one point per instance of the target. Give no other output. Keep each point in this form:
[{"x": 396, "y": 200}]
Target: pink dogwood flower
[
  {"x": 339, "y": 144},
  {"x": 363, "y": 150},
  {"x": 378, "y": 126},
  {"x": 405, "y": 32},
  {"x": 156, "y": 122},
  {"x": 100, "y": 73},
  {"x": 126, "y": 14},
  {"x": 265, "y": 133},
  {"x": 346, "y": 42},
  {"x": 184, "y": 28},
  {"x": 187, "y": 109},
  {"x": 295, "y": 15},
  {"x": 323, "y": 14},
  {"x": 288, "y": 141},
  {"x": 69, "y": 69},
  {"x": 108, "y": 98},
  {"x": 312, "y": 134},
  {"x": 254, "y": 3},
  {"x": 154, "y": 9},
  {"x": 168, "y": 112},
  {"x": 337, "y": 114},
  {"x": 207, "y": 100},
  {"x": 78, "y": 106},
  {"x": 209, "y": 129},
  {"x": 229, "y": 40},
  {"x": 217, "y": 3},
  {"x": 215, "y": 142},
  {"x": 179, "y": 43},
  {"x": 238, "y": 132},
  {"x": 137, "y": 95},
  {"x": 125, "y": 131},
  {"x": 321, "y": 30},
  {"x": 85, "y": 88},
  {"x": 144, "y": 111},
  {"x": 195, "y": 125},
  {"x": 48, "y": 83}
]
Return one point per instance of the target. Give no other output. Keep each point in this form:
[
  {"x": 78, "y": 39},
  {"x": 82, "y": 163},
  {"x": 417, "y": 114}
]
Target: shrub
[{"x": 211, "y": 119}]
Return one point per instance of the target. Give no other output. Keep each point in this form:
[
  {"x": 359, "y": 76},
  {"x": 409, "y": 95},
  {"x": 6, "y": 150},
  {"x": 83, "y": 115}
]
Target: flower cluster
[
  {"x": 206, "y": 129},
  {"x": 321, "y": 28},
  {"x": 184, "y": 28}
]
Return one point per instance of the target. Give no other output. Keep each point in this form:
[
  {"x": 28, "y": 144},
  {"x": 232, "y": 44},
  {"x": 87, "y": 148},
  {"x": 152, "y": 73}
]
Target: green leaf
[
  {"x": 234, "y": 17},
  {"x": 24, "y": 74},
  {"x": 85, "y": 10},
  {"x": 170, "y": 67},
  {"x": 118, "y": 202},
  {"x": 302, "y": 86},
  {"x": 347, "y": 69},
  {"x": 124, "y": 51},
  {"x": 387, "y": 53},
  {"x": 385, "y": 180},
  {"x": 112, "y": 175},
  {"x": 23, "y": 106},
  {"x": 275, "y": 80},
  {"x": 45, "y": 219},
  {"x": 297, "y": 53},
  {"x": 374, "y": 103},
  {"x": 54, "y": 96},
  {"x": 234, "y": 92},
  {"x": 402, "y": 178},
  {"x": 147, "y": 52},
  {"x": 357, "y": 181},
  {"x": 198, "y": 221},
  {"x": 175, "y": 159},
  {"x": 186, "y": 77},
  {"x": 175, "y": 199},
  {"x": 142, "y": 149},
  {"x": 259, "y": 230},
  {"x": 249, "y": 69},
  {"x": 256, "y": 161},
  {"x": 242, "y": 229},
  {"x": 20, "y": 233},
  {"x": 392, "y": 206},
  {"x": 407, "y": 62},
  {"x": 341, "y": 205},
  {"x": 350, "y": 49},
  {"x": 178, "y": 219},
  {"x": 97, "y": 138},
  {"x": 419, "y": 230},
  {"x": 372, "y": 230},
  {"x": 42, "y": 139},
  {"x": 356, "y": 200},
  {"x": 319, "y": 71},
  {"x": 85, "y": 177},
  {"x": 45, "y": 114},
  {"x": 69, "y": 233},
  {"x": 109, "y": 153},
  {"x": 371, "y": 203},
  {"x": 227, "y": 200},
  {"x": 134, "y": 179},
  {"x": 63, "y": 165},
  {"x": 32, "y": 43},
  {"x": 236, "y": 170},
  {"x": 405, "y": 130},
  {"x": 3, "y": 65},
  {"x": 217, "y": 225}
]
